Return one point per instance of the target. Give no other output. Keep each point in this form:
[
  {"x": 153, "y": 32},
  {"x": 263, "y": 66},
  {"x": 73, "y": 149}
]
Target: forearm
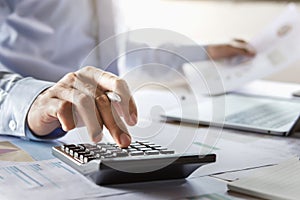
[
  {"x": 163, "y": 63},
  {"x": 168, "y": 54}
]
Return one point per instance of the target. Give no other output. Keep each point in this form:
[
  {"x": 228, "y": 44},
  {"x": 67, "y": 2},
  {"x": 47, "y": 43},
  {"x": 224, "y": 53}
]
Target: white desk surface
[{"x": 235, "y": 150}]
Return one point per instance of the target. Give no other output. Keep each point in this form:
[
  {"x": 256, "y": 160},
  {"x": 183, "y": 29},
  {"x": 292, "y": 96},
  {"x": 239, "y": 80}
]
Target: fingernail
[
  {"x": 133, "y": 118},
  {"x": 125, "y": 139}
]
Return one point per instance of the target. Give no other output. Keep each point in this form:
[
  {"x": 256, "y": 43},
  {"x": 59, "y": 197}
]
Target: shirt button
[{"x": 12, "y": 125}]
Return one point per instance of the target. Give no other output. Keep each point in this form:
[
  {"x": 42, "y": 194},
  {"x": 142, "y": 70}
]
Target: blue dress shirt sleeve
[
  {"x": 16, "y": 96},
  {"x": 173, "y": 57}
]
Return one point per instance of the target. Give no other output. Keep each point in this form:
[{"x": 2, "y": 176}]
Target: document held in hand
[{"x": 277, "y": 47}]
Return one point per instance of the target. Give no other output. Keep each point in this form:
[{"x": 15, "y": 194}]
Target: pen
[{"x": 114, "y": 97}]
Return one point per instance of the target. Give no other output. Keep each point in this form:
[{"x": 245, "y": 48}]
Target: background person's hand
[
  {"x": 80, "y": 96},
  {"x": 235, "y": 48}
]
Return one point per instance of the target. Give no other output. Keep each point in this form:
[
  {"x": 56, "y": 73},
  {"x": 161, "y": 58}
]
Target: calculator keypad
[{"x": 84, "y": 153}]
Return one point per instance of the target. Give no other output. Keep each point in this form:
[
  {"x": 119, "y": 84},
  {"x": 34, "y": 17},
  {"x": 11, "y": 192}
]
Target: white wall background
[{"x": 208, "y": 21}]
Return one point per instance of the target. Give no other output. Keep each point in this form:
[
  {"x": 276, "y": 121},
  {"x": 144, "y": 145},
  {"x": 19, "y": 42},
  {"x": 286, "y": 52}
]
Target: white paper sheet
[
  {"x": 276, "y": 182},
  {"x": 241, "y": 150},
  {"x": 50, "y": 179},
  {"x": 277, "y": 47}
]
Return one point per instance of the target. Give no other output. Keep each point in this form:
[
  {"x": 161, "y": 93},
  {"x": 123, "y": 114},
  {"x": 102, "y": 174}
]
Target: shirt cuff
[
  {"x": 17, "y": 105},
  {"x": 57, "y": 133}
]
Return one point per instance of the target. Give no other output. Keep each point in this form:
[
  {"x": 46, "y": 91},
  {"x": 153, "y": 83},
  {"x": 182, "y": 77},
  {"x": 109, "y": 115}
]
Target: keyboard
[
  {"x": 107, "y": 163},
  {"x": 265, "y": 115}
]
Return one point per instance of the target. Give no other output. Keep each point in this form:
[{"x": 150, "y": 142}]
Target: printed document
[{"x": 49, "y": 179}]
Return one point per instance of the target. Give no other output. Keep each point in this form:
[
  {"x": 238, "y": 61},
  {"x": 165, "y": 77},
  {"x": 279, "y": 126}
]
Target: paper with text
[{"x": 49, "y": 179}]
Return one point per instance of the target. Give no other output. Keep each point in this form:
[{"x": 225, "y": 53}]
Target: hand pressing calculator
[{"x": 106, "y": 163}]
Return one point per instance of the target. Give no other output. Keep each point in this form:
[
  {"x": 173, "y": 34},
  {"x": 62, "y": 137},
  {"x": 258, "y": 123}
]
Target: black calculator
[{"x": 107, "y": 163}]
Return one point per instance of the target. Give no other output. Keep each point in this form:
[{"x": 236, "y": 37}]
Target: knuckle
[
  {"x": 88, "y": 69},
  {"x": 120, "y": 84},
  {"x": 58, "y": 86},
  {"x": 70, "y": 77}
]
